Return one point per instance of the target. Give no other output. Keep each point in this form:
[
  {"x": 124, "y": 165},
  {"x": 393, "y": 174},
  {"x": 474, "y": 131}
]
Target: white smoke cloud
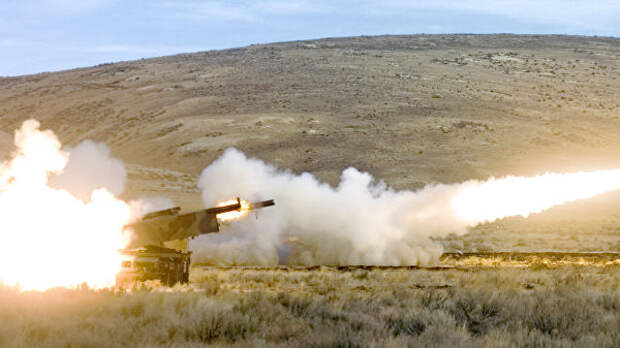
[
  {"x": 72, "y": 231},
  {"x": 359, "y": 222},
  {"x": 362, "y": 221},
  {"x": 68, "y": 241},
  {"x": 90, "y": 167},
  {"x": 145, "y": 205}
]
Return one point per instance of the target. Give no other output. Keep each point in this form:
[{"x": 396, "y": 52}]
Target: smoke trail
[{"x": 362, "y": 221}]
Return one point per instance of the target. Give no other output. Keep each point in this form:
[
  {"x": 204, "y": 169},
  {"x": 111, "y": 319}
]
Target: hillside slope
[{"x": 411, "y": 110}]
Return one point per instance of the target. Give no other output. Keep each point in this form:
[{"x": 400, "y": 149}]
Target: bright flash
[
  {"x": 235, "y": 214},
  {"x": 50, "y": 238},
  {"x": 479, "y": 202}
]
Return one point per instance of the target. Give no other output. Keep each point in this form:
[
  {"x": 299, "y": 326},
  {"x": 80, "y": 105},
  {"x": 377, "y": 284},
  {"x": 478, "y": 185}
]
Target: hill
[{"x": 411, "y": 110}]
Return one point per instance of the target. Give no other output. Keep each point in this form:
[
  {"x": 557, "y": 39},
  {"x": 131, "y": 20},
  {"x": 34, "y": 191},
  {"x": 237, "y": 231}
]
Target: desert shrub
[
  {"x": 232, "y": 326},
  {"x": 478, "y": 310},
  {"x": 570, "y": 316},
  {"x": 338, "y": 343},
  {"x": 433, "y": 300},
  {"x": 608, "y": 302},
  {"x": 407, "y": 325},
  {"x": 563, "y": 307}
]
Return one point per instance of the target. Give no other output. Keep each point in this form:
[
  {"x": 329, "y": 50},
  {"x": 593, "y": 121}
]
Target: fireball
[
  {"x": 233, "y": 215},
  {"x": 49, "y": 237}
]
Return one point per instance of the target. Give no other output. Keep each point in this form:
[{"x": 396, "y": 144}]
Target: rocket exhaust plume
[
  {"x": 362, "y": 221},
  {"x": 55, "y": 230},
  {"x": 61, "y": 223}
]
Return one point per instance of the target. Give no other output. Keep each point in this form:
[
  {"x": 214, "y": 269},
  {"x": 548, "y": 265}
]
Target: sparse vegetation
[{"x": 568, "y": 306}]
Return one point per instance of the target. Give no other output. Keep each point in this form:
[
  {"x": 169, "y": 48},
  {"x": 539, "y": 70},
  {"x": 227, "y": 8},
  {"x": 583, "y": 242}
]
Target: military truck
[{"x": 146, "y": 256}]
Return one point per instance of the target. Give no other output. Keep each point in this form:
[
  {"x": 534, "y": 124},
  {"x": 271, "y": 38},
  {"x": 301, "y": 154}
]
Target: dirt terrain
[{"x": 411, "y": 110}]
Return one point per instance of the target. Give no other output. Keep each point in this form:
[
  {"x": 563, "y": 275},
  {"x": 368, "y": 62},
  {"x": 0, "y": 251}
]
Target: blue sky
[{"x": 49, "y": 35}]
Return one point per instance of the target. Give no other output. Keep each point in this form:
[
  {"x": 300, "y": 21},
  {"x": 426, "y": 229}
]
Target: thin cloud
[
  {"x": 294, "y": 7},
  {"x": 125, "y": 49},
  {"x": 83, "y": 32},
  {"x": 572, "y": 16},
  {"x": 222, "y": 11},
  {"x": 64, "y": 7},
  {"x": 151, "y": 50},
  {"x": 575, "y": 15},
  {"x": 245, "y": 11}
]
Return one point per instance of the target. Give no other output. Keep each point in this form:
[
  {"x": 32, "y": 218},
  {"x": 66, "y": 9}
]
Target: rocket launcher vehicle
[{"x": 168, "y": 225}]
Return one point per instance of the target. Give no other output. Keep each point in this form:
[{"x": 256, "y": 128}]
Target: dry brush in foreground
[{"x": 532, "y": 306}]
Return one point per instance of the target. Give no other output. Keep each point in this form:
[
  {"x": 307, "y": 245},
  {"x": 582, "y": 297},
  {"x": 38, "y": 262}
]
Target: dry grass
[{"x": 557, "y": 305}]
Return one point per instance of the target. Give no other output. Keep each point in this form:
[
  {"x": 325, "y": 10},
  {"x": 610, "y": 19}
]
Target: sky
[{"x": 50, "y": 35}]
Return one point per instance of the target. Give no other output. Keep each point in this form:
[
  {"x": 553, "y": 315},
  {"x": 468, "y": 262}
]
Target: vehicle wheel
[{"x": 172, "y": 277}]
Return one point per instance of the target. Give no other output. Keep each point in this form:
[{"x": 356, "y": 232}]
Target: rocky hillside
[{"x": 411, "y": 110}]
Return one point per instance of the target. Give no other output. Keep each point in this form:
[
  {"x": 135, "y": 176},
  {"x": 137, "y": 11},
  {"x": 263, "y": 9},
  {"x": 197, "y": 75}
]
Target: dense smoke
[
  {"x": 359, "y": 222},
  {"x": 362, "y": 221},
  {"x": 61, "y": 204},
  {"x": 61, "y": 219},
  {"x": 145, "y": 205},
  {"x": 90, "y": 167},
  {"x": 49, "y": 237}
]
